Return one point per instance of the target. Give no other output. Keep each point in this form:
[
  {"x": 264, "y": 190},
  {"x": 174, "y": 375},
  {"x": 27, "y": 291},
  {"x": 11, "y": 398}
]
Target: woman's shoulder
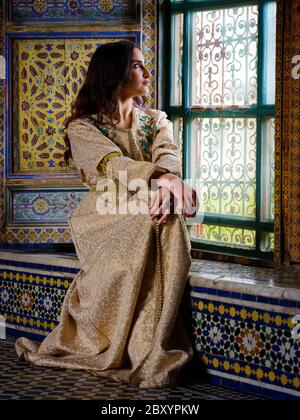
[
  {"x": 155, "y": 114},
  {"x": 80, "y": 123}
]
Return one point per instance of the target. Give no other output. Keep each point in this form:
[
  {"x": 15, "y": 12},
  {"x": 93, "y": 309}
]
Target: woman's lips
[{"x": 147, "y": 83}]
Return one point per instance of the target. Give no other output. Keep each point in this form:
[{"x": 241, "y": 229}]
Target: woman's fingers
[
  {"x": 163, "y": 219},
  {"x": 162, "y": 201},
  {"x": 185, "y": 197},
  {"x": 161, "y": 197},
  {"x": 155, "y": 203},
  {"x": 163, "y": 214},
  {"x": 164, "y": 209},
  {"x": 153, "y": 198},
  {"x": 162, "y": 205},
  {"x": 190, "y": 206}
]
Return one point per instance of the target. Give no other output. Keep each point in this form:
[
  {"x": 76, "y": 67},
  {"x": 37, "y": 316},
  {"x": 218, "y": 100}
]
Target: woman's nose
[{"x": 147, "y": 73}]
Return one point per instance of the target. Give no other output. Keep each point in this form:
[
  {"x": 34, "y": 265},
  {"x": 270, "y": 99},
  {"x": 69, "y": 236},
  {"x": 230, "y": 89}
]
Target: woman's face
[{"x": 139, "y": 82}]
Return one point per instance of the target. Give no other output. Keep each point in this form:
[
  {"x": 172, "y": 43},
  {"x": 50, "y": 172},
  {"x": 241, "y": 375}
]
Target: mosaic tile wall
[
  {"x": 250, "y": 343},
  {"x": 278, "y": 136},
  {"x": 50, "y": 73},
  {"x": 243, "y": 340},
  {"x": 41, "y": 97},
  {"x": 47, "y": 10},
  {"x": 42, "y": 206},
  {"x": 243, "y": 327},
  {"x": 31, "y": 297},
  {"x": 287, "y": 207},
  {"x": 291, "y": 178},
  {"x": 2, "y": 90}
]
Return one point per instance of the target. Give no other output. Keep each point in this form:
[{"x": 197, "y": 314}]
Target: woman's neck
[
  {"x": 126, "y": 115},
  {"x": 125, "y": 111},
  {"x": 125, "y": 108}
]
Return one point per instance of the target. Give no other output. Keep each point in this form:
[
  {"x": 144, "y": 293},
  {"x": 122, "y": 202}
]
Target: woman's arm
[
  {"x": 97, "y": 156},
  {"x": 165, "y": 153}
]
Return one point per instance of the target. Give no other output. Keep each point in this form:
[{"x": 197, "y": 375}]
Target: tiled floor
[{"x": 19, "y": 380}]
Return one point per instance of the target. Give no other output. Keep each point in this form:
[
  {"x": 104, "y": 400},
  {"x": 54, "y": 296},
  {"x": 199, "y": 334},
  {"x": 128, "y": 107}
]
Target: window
[{"x": 221, "y": 99}]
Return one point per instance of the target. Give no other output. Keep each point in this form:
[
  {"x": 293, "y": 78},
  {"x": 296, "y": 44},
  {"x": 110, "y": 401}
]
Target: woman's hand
[
  {"x": 170, "y": 187},
  {"x": 162, "y": 204}
]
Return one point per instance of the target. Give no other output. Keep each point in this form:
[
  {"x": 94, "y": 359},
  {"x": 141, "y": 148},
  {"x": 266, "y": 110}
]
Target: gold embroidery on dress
[{"x": 106, "y": 158}]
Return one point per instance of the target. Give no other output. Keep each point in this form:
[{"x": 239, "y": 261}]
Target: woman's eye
[{"x": 137, "y": 65}]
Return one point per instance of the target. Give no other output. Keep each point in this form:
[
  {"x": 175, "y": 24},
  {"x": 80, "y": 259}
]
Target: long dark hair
[{"x": 109, "y": 70}]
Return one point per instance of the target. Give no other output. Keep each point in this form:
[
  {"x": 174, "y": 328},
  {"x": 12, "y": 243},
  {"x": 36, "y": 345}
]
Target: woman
[{"x": 120, "y": 318}]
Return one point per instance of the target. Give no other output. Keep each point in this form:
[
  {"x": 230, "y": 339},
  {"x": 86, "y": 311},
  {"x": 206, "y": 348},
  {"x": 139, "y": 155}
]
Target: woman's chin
[
  {"x": 145, "y": 90},
  {"x": 142, "y": 92}
]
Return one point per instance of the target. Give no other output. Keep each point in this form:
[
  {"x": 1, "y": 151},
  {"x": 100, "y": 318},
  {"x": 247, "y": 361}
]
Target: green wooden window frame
[{"x": 187, "y": 113}]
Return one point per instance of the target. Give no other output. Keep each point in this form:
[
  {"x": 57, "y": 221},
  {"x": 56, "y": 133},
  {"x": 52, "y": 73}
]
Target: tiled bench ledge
[
  {"x": 280, "y": 284},
  {"x": 240, "y": 318},
  {"x": 66, "y": 260}
]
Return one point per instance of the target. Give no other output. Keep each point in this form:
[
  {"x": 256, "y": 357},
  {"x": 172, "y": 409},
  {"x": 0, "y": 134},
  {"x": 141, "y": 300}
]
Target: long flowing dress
[{"x": 121, "y": 316}]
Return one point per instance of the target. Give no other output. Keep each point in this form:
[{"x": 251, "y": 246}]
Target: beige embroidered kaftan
[{"x": 120, "y": 318}]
